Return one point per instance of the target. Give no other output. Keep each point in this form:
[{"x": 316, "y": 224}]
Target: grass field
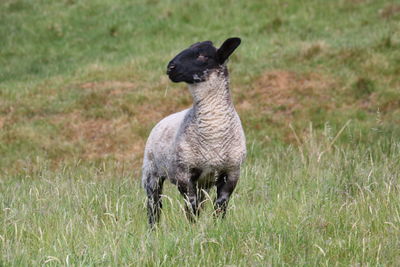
[{"x": 316, "y": 84}]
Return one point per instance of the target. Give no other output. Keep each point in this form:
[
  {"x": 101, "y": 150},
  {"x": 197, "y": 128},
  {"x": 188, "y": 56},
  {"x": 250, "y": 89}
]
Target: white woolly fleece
[{"x": 209, "y": 135}]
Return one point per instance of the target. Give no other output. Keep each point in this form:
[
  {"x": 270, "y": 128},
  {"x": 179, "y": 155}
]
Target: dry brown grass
[
  {"x": 123, "y": 135},
  {"x": 283, "y": 97},
  {"x": 101, "y": 138},
  {"x": 2, "y": 122},
  {"x": 128, "y": 111},
  {"x": 389, "y": 11},
  {"x": 283, "y": 94},
  {"x": 311, "y": 50}
]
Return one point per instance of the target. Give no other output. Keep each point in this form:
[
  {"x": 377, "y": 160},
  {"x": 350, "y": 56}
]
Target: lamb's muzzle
[{"x": 201, "y": 146}]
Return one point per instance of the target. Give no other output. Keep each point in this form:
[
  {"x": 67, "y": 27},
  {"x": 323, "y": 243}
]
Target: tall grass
[{"x": 312, "y": 204}]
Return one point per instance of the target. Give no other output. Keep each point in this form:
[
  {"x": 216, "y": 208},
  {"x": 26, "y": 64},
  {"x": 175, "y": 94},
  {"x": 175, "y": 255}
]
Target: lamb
[{"x": 202, "y": 146}]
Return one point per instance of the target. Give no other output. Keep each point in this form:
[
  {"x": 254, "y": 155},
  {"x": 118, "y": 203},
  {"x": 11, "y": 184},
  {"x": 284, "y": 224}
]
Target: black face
[{"x": 193, "y": 65}]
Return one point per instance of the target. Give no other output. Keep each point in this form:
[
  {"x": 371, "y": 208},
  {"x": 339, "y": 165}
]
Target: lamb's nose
[{"x": 170, "y": 68}]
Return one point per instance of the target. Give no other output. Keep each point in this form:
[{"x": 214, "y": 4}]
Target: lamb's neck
[{"x": 212, "y": 104}]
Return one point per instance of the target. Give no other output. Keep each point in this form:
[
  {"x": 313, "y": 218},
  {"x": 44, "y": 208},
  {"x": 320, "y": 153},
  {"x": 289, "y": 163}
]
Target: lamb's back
[{"x": 160, "y": 146}]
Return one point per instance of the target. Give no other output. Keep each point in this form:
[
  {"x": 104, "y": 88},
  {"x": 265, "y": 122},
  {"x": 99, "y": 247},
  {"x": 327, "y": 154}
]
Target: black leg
[
  {"x": 154, "y": 187},
  {"x": 226, "y": 183},
  {"x": 193, "y": 197}
]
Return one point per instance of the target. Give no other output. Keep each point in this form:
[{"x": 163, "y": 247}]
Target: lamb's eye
[{"x": 202, "y": 58}]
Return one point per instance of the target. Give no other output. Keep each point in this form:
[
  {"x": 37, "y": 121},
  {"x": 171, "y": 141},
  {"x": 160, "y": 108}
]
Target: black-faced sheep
[{"x": 202, "y": 146}]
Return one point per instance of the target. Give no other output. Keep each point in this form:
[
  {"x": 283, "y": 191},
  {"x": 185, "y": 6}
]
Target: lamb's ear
[{"x": 227, "y": 49}]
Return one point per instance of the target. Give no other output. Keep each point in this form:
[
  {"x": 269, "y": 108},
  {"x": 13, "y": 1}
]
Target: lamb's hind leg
[
  {"x": 226, "y": 183},
  {"x": 154, "y": 185}
]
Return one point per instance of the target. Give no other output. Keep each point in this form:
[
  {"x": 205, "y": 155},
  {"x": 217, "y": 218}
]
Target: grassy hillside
[
  {"x": 316, "y": 84},
  {"x": 290, "y": 208},
  {"x": 87, "y": 80}
]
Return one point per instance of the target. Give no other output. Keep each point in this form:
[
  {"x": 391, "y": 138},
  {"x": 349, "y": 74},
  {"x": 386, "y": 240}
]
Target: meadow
[{"x": 315, "y": 82}]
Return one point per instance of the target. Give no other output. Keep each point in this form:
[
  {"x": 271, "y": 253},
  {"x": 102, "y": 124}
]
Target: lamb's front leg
[
  {"x": 226, "y": 183},
  {"x": 187, "y": 185}
]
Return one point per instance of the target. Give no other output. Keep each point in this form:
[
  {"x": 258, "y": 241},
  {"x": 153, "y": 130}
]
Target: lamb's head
[{"x": 195, "y": 64}]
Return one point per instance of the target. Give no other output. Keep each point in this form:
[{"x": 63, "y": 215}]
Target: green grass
[
  {"x": 292, "y": 207},
  {"x": 316, "y": 84}
]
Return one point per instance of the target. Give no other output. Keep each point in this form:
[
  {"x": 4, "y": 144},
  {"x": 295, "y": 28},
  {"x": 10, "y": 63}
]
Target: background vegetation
[{"x": 316, "y": 84}]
